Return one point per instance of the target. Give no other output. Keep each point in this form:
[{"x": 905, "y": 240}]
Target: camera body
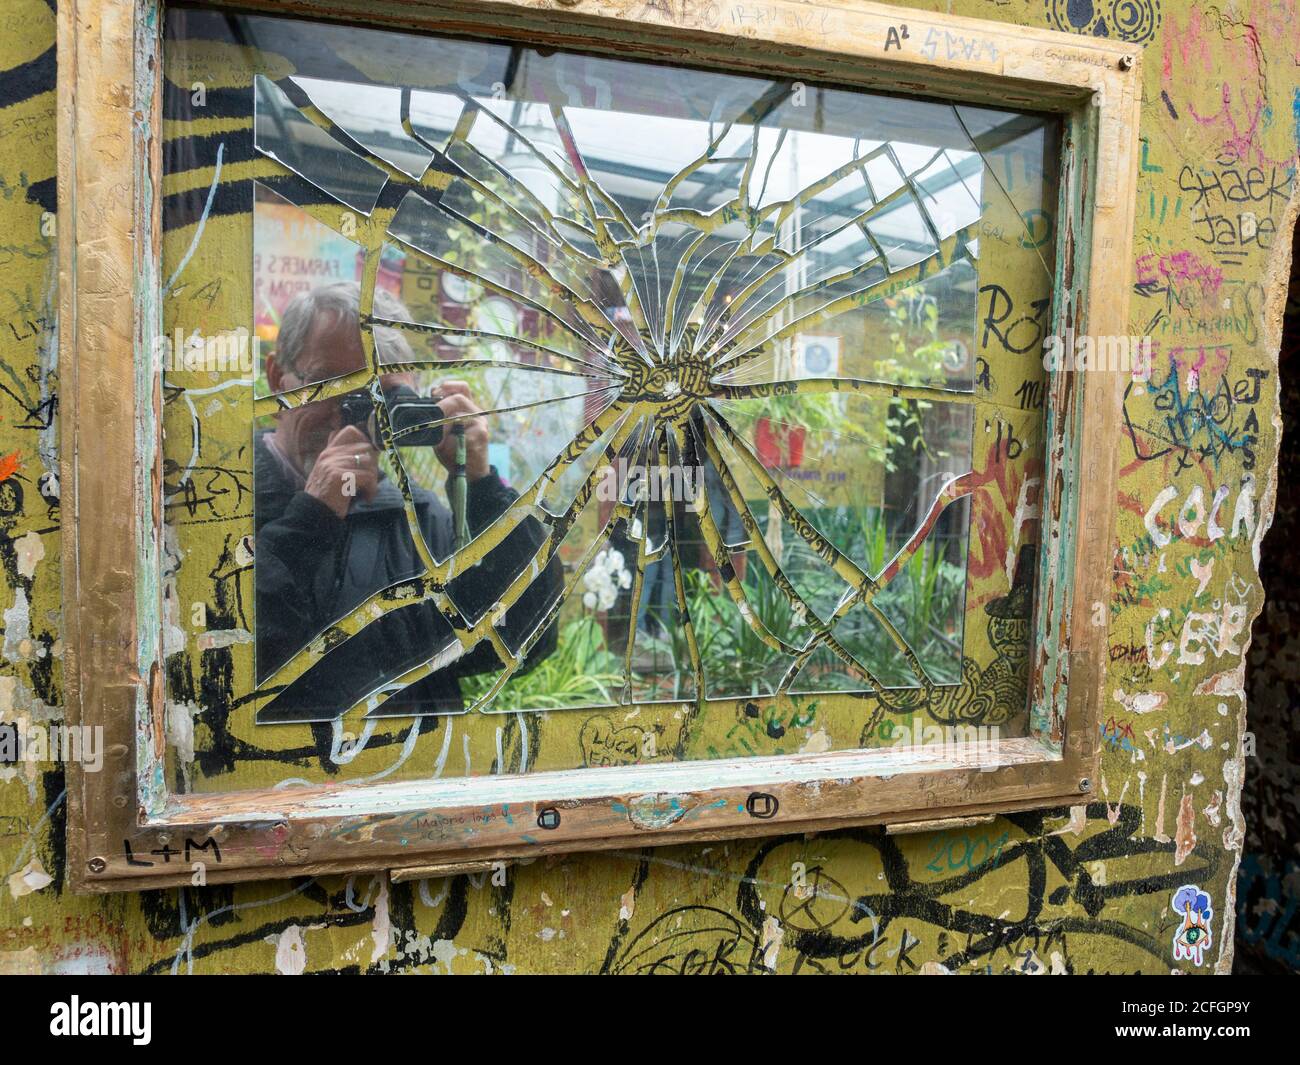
[{"x": 408, "y": 414}]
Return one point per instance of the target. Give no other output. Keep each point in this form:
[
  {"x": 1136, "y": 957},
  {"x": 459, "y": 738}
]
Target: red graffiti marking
[{"x": 9, "y": 465}]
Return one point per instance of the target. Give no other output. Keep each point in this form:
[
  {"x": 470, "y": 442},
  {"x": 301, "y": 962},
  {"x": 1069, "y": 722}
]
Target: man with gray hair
[{"x": 332, "y": 530}]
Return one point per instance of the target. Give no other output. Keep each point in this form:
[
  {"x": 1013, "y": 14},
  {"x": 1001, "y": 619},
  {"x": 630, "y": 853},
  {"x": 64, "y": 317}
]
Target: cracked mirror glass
[{"x": 594, "y": 412}]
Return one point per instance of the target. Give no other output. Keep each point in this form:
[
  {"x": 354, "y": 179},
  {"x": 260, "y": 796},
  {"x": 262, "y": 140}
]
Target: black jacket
[{"x": 312, "y": 568}]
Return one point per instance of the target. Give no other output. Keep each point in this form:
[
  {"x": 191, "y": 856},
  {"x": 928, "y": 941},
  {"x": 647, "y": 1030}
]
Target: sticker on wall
[
  {"x": 1125, "y": 20},
  {"x": 1193, "y": 936}
]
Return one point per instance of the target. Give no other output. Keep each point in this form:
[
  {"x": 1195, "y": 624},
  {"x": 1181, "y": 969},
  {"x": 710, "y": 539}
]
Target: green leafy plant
[
  {"x": 923, "y": 600},
  {"x": 581, "y": 671}
]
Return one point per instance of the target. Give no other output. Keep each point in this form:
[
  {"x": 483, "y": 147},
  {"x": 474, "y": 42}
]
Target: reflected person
[{"x": 331, "y": 529}]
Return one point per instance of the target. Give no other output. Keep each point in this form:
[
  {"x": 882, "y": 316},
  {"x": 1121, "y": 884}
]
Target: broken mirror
[{"x": 708, "y": 406}]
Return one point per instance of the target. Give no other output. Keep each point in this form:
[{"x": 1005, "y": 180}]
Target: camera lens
[{"x": 407, "y": 410}]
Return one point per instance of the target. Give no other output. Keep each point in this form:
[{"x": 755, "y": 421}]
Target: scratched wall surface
[{"x": 1096, "y": 888}]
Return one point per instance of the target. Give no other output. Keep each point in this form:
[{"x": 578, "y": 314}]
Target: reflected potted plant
[
  {"x": 781, "y": 431},
  {"x": 779, "y": 434}
]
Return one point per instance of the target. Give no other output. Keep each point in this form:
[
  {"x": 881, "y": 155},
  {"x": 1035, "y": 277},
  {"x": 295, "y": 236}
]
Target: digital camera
[{"x": 406, "y": 410}]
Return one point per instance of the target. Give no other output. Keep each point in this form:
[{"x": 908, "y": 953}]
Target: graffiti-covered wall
[{"x": 1140, "y": 879}]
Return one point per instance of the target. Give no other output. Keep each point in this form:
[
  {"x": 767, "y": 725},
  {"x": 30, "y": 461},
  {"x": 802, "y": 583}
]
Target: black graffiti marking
[
  {"x": 271, "y": 930},
  {"x": 700, "y": 939},
  {"x": 167, "y": 852},
  {"x": 692, "y": 941},
  {"x": 131, "y": 859},
  {"x": 1232, "y": 187},
  {"x": 904, "y": 898},
  {"x": 816, "y": 906},
  {"x": 208, "y": 842},
  {"x": 762, "y": 805},
  {"x": 217, "y": 491},
  {"x": 1030, "y": 395},
  {"x": 1226, "y": 233},
  {"x": 1023, "y": 334},
  {"x": 1006, "y": 443},
  {"x": 38, "y": 415}
]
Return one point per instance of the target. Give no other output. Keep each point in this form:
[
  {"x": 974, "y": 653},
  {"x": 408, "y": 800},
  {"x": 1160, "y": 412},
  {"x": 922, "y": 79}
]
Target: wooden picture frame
[{"x": 127, "y": 831}]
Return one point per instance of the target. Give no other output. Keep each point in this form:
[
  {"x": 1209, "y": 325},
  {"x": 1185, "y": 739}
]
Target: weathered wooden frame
[{"x": 125, "y": 829}]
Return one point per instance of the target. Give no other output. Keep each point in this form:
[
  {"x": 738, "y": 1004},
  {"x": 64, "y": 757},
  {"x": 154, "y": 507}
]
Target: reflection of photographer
[{"x": 332, "y": 529}]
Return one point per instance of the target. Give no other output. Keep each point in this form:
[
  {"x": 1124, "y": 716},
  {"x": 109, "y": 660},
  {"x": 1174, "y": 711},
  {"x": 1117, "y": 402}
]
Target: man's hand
[
  {"x": 458, "y": 404},
  {"x": 348, "y": 467}
]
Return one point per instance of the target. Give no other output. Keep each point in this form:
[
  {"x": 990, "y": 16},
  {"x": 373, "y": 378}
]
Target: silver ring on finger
[{"x": 357, "y": 460}]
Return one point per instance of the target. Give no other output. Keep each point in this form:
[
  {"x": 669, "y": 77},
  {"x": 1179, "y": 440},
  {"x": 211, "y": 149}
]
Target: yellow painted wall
[{"x": 1085, "y": 889}]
